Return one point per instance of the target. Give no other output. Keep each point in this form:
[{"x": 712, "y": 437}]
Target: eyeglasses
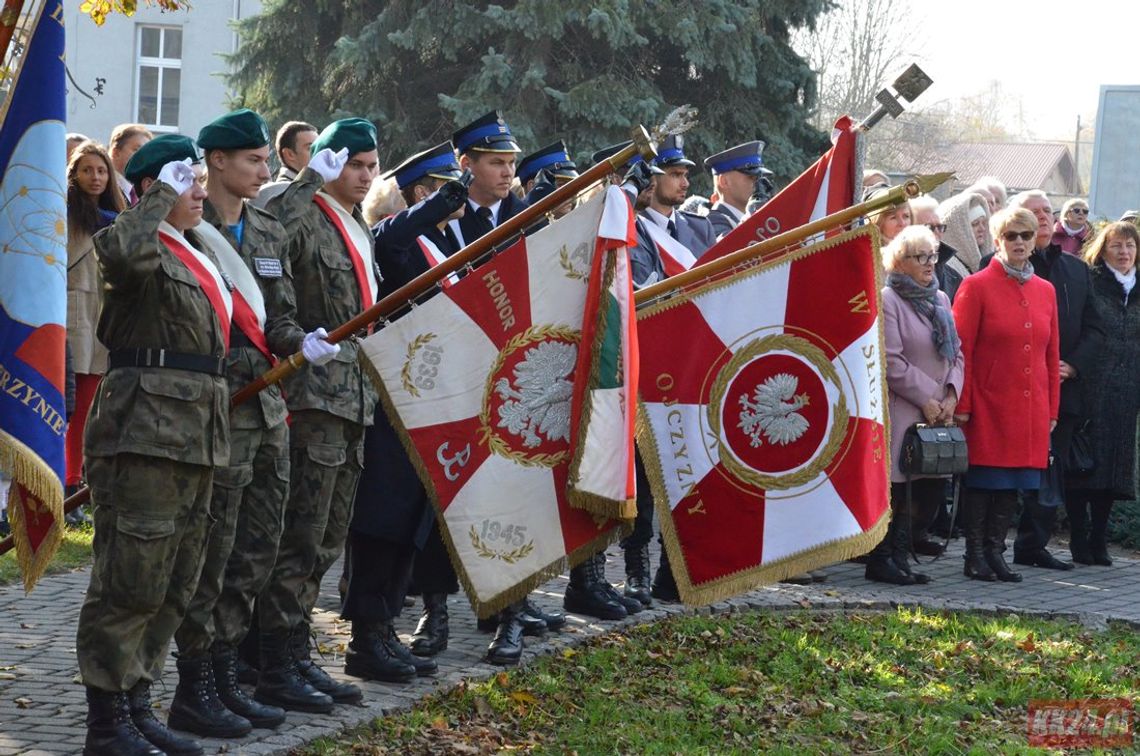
[
  {"x": 1010, "y": 236},
  {"x": 1079, "y": 210},
  {"x": 923, "y": 259},
  {"x": 937, "y": 228}
]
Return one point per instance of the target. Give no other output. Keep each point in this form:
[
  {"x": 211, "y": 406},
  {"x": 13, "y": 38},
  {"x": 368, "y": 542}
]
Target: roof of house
[{"x": 1019, "y": 165}]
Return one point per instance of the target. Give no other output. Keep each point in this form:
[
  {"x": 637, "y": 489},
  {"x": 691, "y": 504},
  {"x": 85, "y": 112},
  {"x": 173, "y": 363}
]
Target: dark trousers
[
  {"x": 1035, "y": 526},
  {"x": 643, "y": 521},
  {"x": 432, "y": 571},
  {"x": 378, "y": 578}
]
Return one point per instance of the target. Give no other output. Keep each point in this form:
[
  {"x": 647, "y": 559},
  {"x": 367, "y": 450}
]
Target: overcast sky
[{"x": 1053, "y": 55}]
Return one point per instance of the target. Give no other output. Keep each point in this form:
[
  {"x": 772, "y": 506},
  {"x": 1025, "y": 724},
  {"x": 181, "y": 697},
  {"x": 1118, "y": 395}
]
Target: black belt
[{"x": 161, "y": 358}]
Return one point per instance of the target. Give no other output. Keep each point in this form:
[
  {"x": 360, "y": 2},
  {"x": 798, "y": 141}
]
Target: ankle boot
[
  {"x": 637, "y": 575},
  {"x": 158, "y": 734},
  {"x": 1098, "y": 531},
  {"x": 998, "y": 519},
  {"x": 300, "y": 642},
  {"x": 899, "y": 535},
  {"x": 369, "y": 657},
  {"x": 506, "y": 647},
  {"x": 1077, "y": 509},
  {"x": 235, "y": 699},
  {"x": 664, "y": 585},
  {"x": 430, "y": 637},
  {"x": 881, "y": 567},
  {"x": 196, "y": 707},
  {"x": 424, "y": 667},
  {"x": 280, "y": 682},
  {"x": 587, "y": 595},
  {"x": 110, "y": 729},
  {"x": 975, "y": 504},
  {"x": 629, "y": 603}
]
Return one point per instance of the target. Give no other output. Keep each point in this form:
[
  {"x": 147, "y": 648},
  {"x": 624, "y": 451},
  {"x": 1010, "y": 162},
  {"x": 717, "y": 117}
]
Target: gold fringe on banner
[{"x": 27, "y": 469}]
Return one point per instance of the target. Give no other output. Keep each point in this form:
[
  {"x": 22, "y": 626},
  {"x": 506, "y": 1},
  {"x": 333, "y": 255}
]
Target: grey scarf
[
  {"x": 925, "y": 301},
  {"x": 1021, "y": 276}
]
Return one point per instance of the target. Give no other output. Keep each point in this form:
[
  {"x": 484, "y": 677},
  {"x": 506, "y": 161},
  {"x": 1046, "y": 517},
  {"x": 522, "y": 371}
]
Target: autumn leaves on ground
[{"x": 910, "y": 681}]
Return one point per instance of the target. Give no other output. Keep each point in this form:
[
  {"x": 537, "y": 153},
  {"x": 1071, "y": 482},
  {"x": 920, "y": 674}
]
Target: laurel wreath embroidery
[
  {"x": 564, "y": 261},
  {"x": 406, "y": 373},
  {"x": 486, "y": 552}
]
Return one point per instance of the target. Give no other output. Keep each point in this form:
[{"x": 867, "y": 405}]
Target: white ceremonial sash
[
  {"x": 361, "y": 240},
  {"x": 234, "y": 266},
  {"x": 206, "y": 263}
]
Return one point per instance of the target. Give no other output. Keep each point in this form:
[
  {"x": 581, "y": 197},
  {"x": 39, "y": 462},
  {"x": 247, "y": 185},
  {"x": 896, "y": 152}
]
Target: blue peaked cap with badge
[
  {"x": 745, "y": 158},
  {"x": 489, "y": 133},
  {"x": 553, "y": 157},
  {"x": 671, "y": 152},
  {"x": 607, "y": 152},
  {"x": 438, "y": 162}
]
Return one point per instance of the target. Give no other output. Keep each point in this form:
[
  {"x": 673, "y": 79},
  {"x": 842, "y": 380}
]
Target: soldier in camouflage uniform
[
  {"x": 158, "y": 427},
  {"x": 334, "y": 278},
  {"x": 250, "y": 246}
]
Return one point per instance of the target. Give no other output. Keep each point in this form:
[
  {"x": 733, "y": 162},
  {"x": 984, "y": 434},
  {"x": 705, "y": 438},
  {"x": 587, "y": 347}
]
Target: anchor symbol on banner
[{"x": 459, "y": 459}]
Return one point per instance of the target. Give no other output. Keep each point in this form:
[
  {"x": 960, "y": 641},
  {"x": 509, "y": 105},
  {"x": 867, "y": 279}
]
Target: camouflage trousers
[
  {"x": 247, "y": 505},
  {"x": 326, "y": 457},
  {"x": 151, "y": 524}
]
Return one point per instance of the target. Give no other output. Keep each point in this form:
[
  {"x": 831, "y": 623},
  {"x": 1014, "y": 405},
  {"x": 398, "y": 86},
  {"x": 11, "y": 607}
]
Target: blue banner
[{"x": 33, "y": 289}]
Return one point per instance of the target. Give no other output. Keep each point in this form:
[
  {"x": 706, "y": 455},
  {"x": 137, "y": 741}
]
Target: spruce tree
[{"x": 576, "y": 70}]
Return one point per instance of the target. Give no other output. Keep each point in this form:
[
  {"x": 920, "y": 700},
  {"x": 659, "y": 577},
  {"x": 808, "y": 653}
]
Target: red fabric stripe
[
  {"x": 357, "y": 261},
  {"x": 497, "y": 294},
  {"x": 718, "y": 506},
  {"x": 208, "y": 283},
  {"x": 679, "y": 355},
  {"x": 246, "y": 321},
  {"x": 859, "y": 471},
  {"x": 431, "y": 261},
  {"x": 460, "y": 436}
]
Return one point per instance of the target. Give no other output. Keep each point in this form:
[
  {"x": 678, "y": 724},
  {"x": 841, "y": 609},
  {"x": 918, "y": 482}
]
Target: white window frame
[{"x": 162, "y": 64}]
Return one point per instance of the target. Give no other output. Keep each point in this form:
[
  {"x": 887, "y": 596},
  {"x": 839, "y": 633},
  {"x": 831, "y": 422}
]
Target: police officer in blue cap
[
  {"x": 488, "y": 150},
  {"x": 669, "y": 191},
  {"x": 736, "y": 172},
  {"x": 540, "y": 173},
  {"x": 392, "y": 515}
]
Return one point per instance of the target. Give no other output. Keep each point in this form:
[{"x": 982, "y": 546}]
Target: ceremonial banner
[
  {"x": 33, "y": 293},
  {"x": 830, "y": 184},
  {"x": 481, "y": 381},
  {"x": 763, "y": 418}
]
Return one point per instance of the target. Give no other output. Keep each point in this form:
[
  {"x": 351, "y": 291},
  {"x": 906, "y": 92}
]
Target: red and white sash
[
  {"x": 249, "y": 303},
  {"x": 358, "y": 243},
  {"x": 434, "y": 257},
  {"x": 206, "y": 273},
  {"x": 675, "y": 256}
]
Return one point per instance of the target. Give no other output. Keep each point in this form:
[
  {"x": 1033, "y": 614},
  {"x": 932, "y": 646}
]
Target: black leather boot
[
  {"x": 998, "y": 519},
  {"x": 1077, "y": 509},
  {"x": 637, "y": 575},
  {"x": 158, "y": 734},
  {"x": 975, "y": 504},
  {"x": 196, "y": 707},
  {"x": 431, "y": 633},
  {"x": 281, "y": 683},
  {"x": 370, "y": 658},
  {"x": 111, "y": 730},
  {"x": 532, "y": 624},
  {"x": 1098, "y": 531},
  {"x": 630, "y": 604},
  {"x": 507, "y": 646},
  {"x": 881, "y": 567},
  {"x": 553, "y": 620},
  {"x": 341, "y": 692},
  {"x": 586, "y": 595},
  {"x": 664, "y": 586},
  {"x": 899, "y": 535},
  {"x": 261, "y": 716},
  {"x": 424, "y": 667}
]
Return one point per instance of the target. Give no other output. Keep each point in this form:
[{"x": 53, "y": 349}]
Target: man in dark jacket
[{"x": 1081, "y": 335}]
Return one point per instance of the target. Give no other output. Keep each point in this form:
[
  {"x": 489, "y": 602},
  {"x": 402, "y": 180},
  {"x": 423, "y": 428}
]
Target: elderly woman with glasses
[
  {"x": 1071, "y": 231},
  {"x": 1007, "y": 320},
  {"x": 924, "y": 378}
]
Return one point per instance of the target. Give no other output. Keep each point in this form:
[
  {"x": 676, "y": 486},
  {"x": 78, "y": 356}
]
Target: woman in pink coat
[
  {"x": 1007, "y": 319},
  {"x": 924, "y": 378}
]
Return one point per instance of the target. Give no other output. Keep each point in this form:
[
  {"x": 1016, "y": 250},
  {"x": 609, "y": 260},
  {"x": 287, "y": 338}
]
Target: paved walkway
[{"x": 42, "y": 703}]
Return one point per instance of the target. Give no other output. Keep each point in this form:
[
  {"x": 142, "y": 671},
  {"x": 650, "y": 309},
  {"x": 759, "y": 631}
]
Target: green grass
[
  {"x": 911, "y": 681},
  {"x": 74, "y": 551}
]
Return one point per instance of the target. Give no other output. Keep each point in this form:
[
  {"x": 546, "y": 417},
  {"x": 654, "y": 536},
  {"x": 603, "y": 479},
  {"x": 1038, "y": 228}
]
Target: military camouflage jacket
[
  {"x": 263, "y": 238},
  {"x": 327, "y": 295},
  {"x": 152, "y": 301}
]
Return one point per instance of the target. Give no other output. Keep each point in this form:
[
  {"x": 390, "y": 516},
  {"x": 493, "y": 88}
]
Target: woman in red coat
[{"x": 1007, "y": 320}]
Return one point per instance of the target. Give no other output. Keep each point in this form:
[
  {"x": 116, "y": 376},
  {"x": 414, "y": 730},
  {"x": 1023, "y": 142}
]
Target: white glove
[
  {"x": 328, "y": 163},
  {"x": 315, "y": 347},
  {"x": 178, "y": 175}
]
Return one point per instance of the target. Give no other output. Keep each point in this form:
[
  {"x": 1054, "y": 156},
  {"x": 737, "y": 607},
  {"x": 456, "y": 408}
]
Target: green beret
[
  {"x": 357, "y": 134},
  {"x": 148, "y": 161},
  {"x": 240, "y": 130}
]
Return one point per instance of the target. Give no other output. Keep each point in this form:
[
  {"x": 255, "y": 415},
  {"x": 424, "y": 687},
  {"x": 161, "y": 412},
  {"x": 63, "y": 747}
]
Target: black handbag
[
  {"x": 1052, "y": 492},
  {"x": 933, "y": 450},
  {"x": 1081, "y": 462}
]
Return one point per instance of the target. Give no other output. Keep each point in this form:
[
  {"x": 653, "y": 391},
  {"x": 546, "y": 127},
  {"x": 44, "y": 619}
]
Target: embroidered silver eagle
[
  {"x": 539, "y": 402},
  {"x": 772, "y": 412}
]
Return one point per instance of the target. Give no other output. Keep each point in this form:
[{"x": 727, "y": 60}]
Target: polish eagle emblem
[
  {"x": 772, "y": 411},
  {"x": 538, "y": 400}
]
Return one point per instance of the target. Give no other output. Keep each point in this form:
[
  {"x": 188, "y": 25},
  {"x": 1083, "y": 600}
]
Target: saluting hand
[
  {"x": 178, "y": 175},
  {"x": 329, "y": 164}
]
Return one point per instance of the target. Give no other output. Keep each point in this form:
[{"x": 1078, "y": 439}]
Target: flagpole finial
[
  {"x": 646, "y": 145},
  {"x": 678, "y": 121}
]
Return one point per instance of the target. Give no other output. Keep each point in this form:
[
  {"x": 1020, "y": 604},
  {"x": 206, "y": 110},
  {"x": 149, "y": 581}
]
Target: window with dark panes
[{"x": 158, "y": 76}]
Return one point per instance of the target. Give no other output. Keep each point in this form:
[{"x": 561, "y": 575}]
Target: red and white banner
[
  {"x": 676, "y": 258},
  {"x": 830, "y": 184},
  {"x": 766, "y": 445},
  {"x": 484, "y": 384}
]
